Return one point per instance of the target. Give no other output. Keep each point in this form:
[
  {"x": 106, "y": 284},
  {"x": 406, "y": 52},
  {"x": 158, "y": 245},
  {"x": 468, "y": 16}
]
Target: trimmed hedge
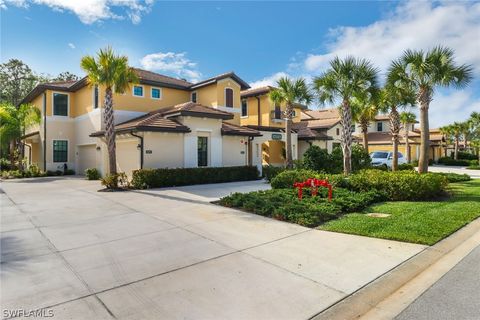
[
  {"x": 283, "y": 204},
  {"x": 461, "y": 162},
  {"x": 270, "y": 172},
  {"x": 400, "y": 185},
  {"x": 287, "y": 178},
  {"x": 158, "y": 178},
  {"x": 453, "y": 177}
]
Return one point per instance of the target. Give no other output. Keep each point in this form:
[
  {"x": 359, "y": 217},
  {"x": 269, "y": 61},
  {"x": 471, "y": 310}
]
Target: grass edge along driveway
[{"x": 423, "y": 222}]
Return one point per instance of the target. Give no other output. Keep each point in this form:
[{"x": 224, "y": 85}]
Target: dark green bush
[
  {"x": 283, "y": 204},
  {"x": 415, "y": 162},
  {"x": 466, "y": 156},
  {"x": 473, "y": 167},
  {"x": 157, "y": 178},
  {"x": 69, "y": 172},
  {"x": 270, "y": 172},
  {"x": 399, "y": 186},
  {"x": 316, "y": 158},
  {"x": 452, "y": 162},
  {"x": 287, "y": 178},
  {"x": 405, "y": 166},
  {"x": 115, "y": 181},
  {"x": 92, "y": 174}
]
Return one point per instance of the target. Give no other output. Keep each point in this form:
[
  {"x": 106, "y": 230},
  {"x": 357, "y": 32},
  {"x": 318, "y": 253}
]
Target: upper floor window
[
  {"x": 138, "y": 91},
  {"x": 60, "y": 150},
  {"x": 229, "y": 97},
  {"x": 60, "y": 104},
  {"x": 156, "y": 93},
  {"x": 194, "y": 97},
  {"x": 379, "y": 126},
  {"x": 277, "y": 113},
  {"x": 95, "y": 97},
  {"x": 338, "y": 131},
  {"x": 244, "y": 108}
]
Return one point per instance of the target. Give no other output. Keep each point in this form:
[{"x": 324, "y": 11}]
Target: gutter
[{"x": 141, "y": 147}]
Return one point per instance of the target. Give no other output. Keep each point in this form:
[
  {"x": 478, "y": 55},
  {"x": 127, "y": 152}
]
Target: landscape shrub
[
  {"x": 157, "y": 178},
  {"x": 399, "y": 186},
  {"x": 474, "y": 167},
  {"x": 283, "y": 204},
  {"x": 270, "y": 172},
  {"x": 115, "y": 181},
  {"x": 405, "y": 166},
  {"x": 92, "y": 174},
  {"x": 453, "y": 177},
  {"x": 69, "y": 172},
  {"x": 452, "y": 162},
  {"x": 415, "y": 162},
  {"x": 5, "y": 165},
  {"x": 316, "y": 158},
  {"x": 466, "y": 156},
  {"x": 287, "y": 178}
]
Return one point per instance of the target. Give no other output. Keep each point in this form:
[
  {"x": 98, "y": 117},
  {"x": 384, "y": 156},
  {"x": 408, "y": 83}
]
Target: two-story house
[{"x": 160, "y": 122}]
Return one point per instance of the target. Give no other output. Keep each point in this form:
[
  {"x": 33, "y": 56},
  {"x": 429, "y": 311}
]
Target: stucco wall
[
  {"x": 234, "y": 151},
  {"x": 128, "y": 156},
  {"x": 166, "y": 150}
]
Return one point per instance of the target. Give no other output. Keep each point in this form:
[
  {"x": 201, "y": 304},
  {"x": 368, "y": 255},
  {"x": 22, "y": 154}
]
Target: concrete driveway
[{"x": 160, "y": 254}]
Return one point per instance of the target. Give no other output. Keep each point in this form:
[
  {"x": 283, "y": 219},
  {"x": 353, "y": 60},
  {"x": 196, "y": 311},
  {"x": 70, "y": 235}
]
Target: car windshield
[{"x": 379, "y": 154}]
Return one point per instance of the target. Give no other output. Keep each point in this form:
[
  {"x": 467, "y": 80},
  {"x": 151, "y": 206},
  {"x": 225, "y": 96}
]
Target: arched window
[{"x": 229, "y": 97}]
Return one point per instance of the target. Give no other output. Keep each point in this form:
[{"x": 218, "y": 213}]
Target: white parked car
[{"x": 385, "y": 158}]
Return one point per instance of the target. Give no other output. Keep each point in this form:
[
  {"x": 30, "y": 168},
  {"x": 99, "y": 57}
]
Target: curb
[{"x": 368, "y": 297}]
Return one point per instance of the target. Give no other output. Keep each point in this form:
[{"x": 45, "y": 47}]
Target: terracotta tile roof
[
  {"x": 234, "y": 130},
  {"x": 196, "y": 110},
  {"x": 330, "y": 113},
  {"x": 380, "y": 117},
  {"x": 306, "y": 133},
  {"x": 268, "y": 128},
  {"x": 149, "y": 77},
  {"x": 256, "y": 91},
  {"x": 386, "y": 137}
]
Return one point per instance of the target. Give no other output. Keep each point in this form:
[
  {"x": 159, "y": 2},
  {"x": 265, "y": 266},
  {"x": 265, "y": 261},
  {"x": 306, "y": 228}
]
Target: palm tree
[
  {"x": 364, "y": 112},
  {"x": 422, "y": 72},
  {"x": 112, "y": 72},
  {"x": 290, "y": 92},
  {"x": 465, "y": 131},
  {"x": 456, "y": 129},
  {"x": 406, "y": 119},
  {"x": 392, "y": 98},
  {"x": 347, "y": 79},
  {"x": 447, "y": 133},
  {"x": 13, "y": 124},
  {"x": 475, "y": 138}
]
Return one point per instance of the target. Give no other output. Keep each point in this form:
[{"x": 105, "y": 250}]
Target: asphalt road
[{"x": 455, "y": 296}]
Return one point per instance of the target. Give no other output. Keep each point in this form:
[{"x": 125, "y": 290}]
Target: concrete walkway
[
  {"x": 85, "y": 254},
  {"x": 475, "y": 174}
]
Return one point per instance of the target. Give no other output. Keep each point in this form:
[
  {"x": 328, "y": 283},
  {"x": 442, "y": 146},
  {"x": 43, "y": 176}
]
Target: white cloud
[
  {"x": 415, "y": 25},
  {"x": 90, "y": 11},
  {"x": 71, "y": 45},
  {"x": 172, "y": 63},
  {"x": 269, "y": 81}
]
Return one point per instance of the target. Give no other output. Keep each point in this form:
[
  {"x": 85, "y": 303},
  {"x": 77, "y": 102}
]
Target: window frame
[
  {"x": 95, "y": 97},
  {"x": 225, "y": 97},
  {"x": 206, "y": 158},
  {"x": 143, "y": 91},
  {"x": 53, "y": 150},
  {"x": 246, "y": 108},
  {"x": 159, "y": 93},
  {"x": 53, "y": 104},
  {"x": 380, "y": 123},
  {"x": 196, "y": 96}
]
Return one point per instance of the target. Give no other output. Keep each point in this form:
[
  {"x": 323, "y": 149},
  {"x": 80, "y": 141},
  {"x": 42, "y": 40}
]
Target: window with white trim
[
  {"x": 156, "y": 93},
  {"x": 60, "y": 104},
  {"x": 379, "y": 126},
  {"x": 138, "y": 91}
]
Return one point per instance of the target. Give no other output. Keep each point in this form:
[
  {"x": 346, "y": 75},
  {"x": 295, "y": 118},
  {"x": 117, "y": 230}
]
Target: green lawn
[{"x": 424, "y": 222}]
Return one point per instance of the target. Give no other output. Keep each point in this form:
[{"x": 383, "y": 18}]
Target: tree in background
[
  {"x": 422, "y": 72},
  {"x": 364, "y": 112},
  {"x": 456, "y": 129},
  {"x": 17, "y": 81},
  {"x": 465, "y": 130},
  {"x": 290, "y": 92},
  {"x": 13, "y": 124},
  {"x": 406, "y": 119},
  {"x": 110, "y": 71},
  {"x": 345, "y": 80},
  {"x": 475, "y": 133},
  {"x": 447, "y": 133}
]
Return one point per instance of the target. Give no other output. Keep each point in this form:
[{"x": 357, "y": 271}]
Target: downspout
[
  {"x": 249, "y": 151},
  {"x": 44, "y": 131},
  {"x": 258, "y": 111},
  {"x": 141, "y": 147}
]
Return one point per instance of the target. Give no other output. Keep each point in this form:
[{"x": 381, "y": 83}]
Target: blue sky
[{"x": 260, "y": 41}]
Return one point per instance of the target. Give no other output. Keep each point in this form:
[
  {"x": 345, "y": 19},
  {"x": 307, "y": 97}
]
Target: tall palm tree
[
  {"x": 406, "y": 119},
  {"x": 13, "y": 124},
  {"x": 456, "y": 129},
  {"x": 347, "y": 79},
  {"x": 112, "y": 72},
  {"x": 289, "y": 92},
  {"x": 364, "y": 112},
  {"x": 447, "y": 133},
  {"x": 475, "y": 138},
  {"x": 465, "y": 131},
  {"x": 423, "y": 72}
]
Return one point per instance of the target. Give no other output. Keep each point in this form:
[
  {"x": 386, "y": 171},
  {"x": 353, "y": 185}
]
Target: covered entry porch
[{"x": 270, "y": 148}]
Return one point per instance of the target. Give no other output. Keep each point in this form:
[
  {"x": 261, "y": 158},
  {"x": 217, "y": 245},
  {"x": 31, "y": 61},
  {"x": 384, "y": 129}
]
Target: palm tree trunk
[
  {"x": 424, "y": 100},
  {"x": 394, "y": 129},
  {"x": 288, "y": 131},
  {"x": 407, "y": 144},
  {"x": 456, "y": 148},
  {"x": 109, "y": 131},
  {"x": 365, "y": 139},
  {"x": 346, "y": 120}
]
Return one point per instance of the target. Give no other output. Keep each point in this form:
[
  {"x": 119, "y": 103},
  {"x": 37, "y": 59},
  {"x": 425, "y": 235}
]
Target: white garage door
[{"x": 86, "y": 158}]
